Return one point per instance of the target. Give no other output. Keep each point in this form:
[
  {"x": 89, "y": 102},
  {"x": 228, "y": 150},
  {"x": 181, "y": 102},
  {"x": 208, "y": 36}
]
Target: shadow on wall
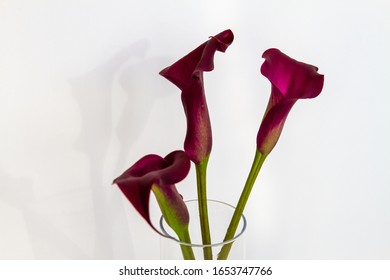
[
  {"x": 104, "y": 120},
  {"x": 144, "y": 87},
  {"x": 16, "y": 193},
  {"x": 42, "y": 236}
]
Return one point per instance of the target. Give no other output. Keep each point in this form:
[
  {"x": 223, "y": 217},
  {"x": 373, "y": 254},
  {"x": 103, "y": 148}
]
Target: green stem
[
  {"x": 202, "y": 205},
  {"x": 255, "y": 169},
  {"x": 188, "y": 253}
]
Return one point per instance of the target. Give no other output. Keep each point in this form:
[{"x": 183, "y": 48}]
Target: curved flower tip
[
  {"x": 187, "y": 75},
  {"x": 153, "y": 172},
  {"x": 291, "y": 80}
]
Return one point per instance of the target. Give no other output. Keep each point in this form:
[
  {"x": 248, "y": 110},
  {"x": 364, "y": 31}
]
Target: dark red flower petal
[
  {"x": 137, "y": 182},
  {"x": 187, "y": 75},
  {"x": 291, "y": 80}
]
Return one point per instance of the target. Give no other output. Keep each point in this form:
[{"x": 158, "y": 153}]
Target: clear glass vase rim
[{"x": 167, "y": 235}]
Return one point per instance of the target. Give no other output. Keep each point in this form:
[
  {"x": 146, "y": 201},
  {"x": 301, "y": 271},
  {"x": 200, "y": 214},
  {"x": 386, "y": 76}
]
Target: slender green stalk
[
  {"x": 255, "y": 169},
  {"x": 202, "y": 205},
  {"x": 188, "y": 253}
]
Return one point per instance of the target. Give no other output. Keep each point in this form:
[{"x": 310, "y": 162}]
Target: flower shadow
[
  {"x": 115, "y": 101},
  {"x": 94, "y": 92}
]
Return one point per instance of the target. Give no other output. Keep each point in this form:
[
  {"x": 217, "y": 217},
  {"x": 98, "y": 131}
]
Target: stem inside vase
[{"x": 219, "y": 216}]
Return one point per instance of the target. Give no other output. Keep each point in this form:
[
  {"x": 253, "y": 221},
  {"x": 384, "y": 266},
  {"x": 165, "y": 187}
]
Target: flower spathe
[
  {"x": 187, "y": 75},
  {"x": 153, "y": 172},
  {"x": 291, "y": 80}
]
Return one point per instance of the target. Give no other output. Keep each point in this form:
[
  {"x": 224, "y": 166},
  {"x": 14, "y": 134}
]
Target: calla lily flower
[
  {"x": 187, "y": 75},
  {"x": 291, "y": 80},
  {"x": 153, "y": 172}
]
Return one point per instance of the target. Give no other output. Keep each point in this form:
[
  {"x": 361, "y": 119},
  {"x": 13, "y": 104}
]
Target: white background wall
[{"x": 81, "y": 100}]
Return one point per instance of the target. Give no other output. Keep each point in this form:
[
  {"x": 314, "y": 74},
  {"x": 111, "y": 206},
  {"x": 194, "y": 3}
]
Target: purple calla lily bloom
[
  {"x": 291, "y": 80},
  {"x": 187, "y": 75},
  {"x": 153, "y": 172}
]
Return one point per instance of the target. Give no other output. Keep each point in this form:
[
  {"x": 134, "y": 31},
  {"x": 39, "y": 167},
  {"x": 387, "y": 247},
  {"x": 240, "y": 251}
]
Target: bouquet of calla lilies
[{"x": 290, "y": 79}]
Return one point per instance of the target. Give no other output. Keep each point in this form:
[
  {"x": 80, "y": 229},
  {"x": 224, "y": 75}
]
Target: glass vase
[{"x": 220, "y": 214}]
